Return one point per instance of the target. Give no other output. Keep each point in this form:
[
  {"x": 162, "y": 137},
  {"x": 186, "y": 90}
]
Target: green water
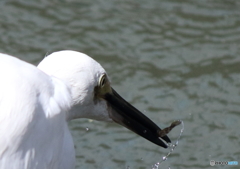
[{"x": 172, "y": 59}]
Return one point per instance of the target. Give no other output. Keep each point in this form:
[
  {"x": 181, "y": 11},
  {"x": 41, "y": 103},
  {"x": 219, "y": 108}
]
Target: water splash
[
  {"x": 164, "y": 158},
  {"x": 155, "y": 166},
  {"x": 171, "y": 147}
]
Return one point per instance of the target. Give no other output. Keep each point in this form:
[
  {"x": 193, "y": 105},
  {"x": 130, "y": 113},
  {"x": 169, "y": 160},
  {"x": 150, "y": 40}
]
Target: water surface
[{"x": 173, "y": 59}]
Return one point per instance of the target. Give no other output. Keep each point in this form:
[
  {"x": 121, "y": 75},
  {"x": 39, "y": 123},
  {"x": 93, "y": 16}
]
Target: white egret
[{"x": 37, "y": 102}]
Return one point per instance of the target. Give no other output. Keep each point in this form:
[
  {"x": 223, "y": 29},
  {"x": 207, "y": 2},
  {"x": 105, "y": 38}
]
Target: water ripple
[{"x": 171, "y": 59}]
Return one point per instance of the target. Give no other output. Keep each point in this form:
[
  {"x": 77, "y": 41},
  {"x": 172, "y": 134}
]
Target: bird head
[{"x": 94, "y": 98}]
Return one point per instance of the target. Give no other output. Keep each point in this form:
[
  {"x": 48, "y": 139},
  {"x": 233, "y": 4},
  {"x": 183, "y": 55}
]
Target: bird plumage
[
  {"x": 37, "y": 102},
  {"x": 33, "y": 127}
]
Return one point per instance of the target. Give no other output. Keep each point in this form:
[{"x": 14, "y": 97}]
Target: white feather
[{"x": 35, "y": 105}]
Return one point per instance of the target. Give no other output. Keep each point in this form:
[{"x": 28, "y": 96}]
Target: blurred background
[{"x": 172, "y": 59}]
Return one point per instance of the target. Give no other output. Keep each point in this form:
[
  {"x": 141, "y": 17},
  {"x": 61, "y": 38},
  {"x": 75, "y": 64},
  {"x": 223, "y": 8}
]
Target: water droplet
[
  {"x": 87, "y": 128},
  {"x": 155, "y": 165},
  {"x": 171, "y": 148}
]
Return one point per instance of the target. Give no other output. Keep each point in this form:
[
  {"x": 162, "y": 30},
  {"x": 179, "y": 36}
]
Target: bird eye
[{"x": 102, "y": 80}]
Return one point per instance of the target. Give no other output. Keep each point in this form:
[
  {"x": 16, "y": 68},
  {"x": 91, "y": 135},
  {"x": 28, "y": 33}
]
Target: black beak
[{"x": 128, "y": 116}]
